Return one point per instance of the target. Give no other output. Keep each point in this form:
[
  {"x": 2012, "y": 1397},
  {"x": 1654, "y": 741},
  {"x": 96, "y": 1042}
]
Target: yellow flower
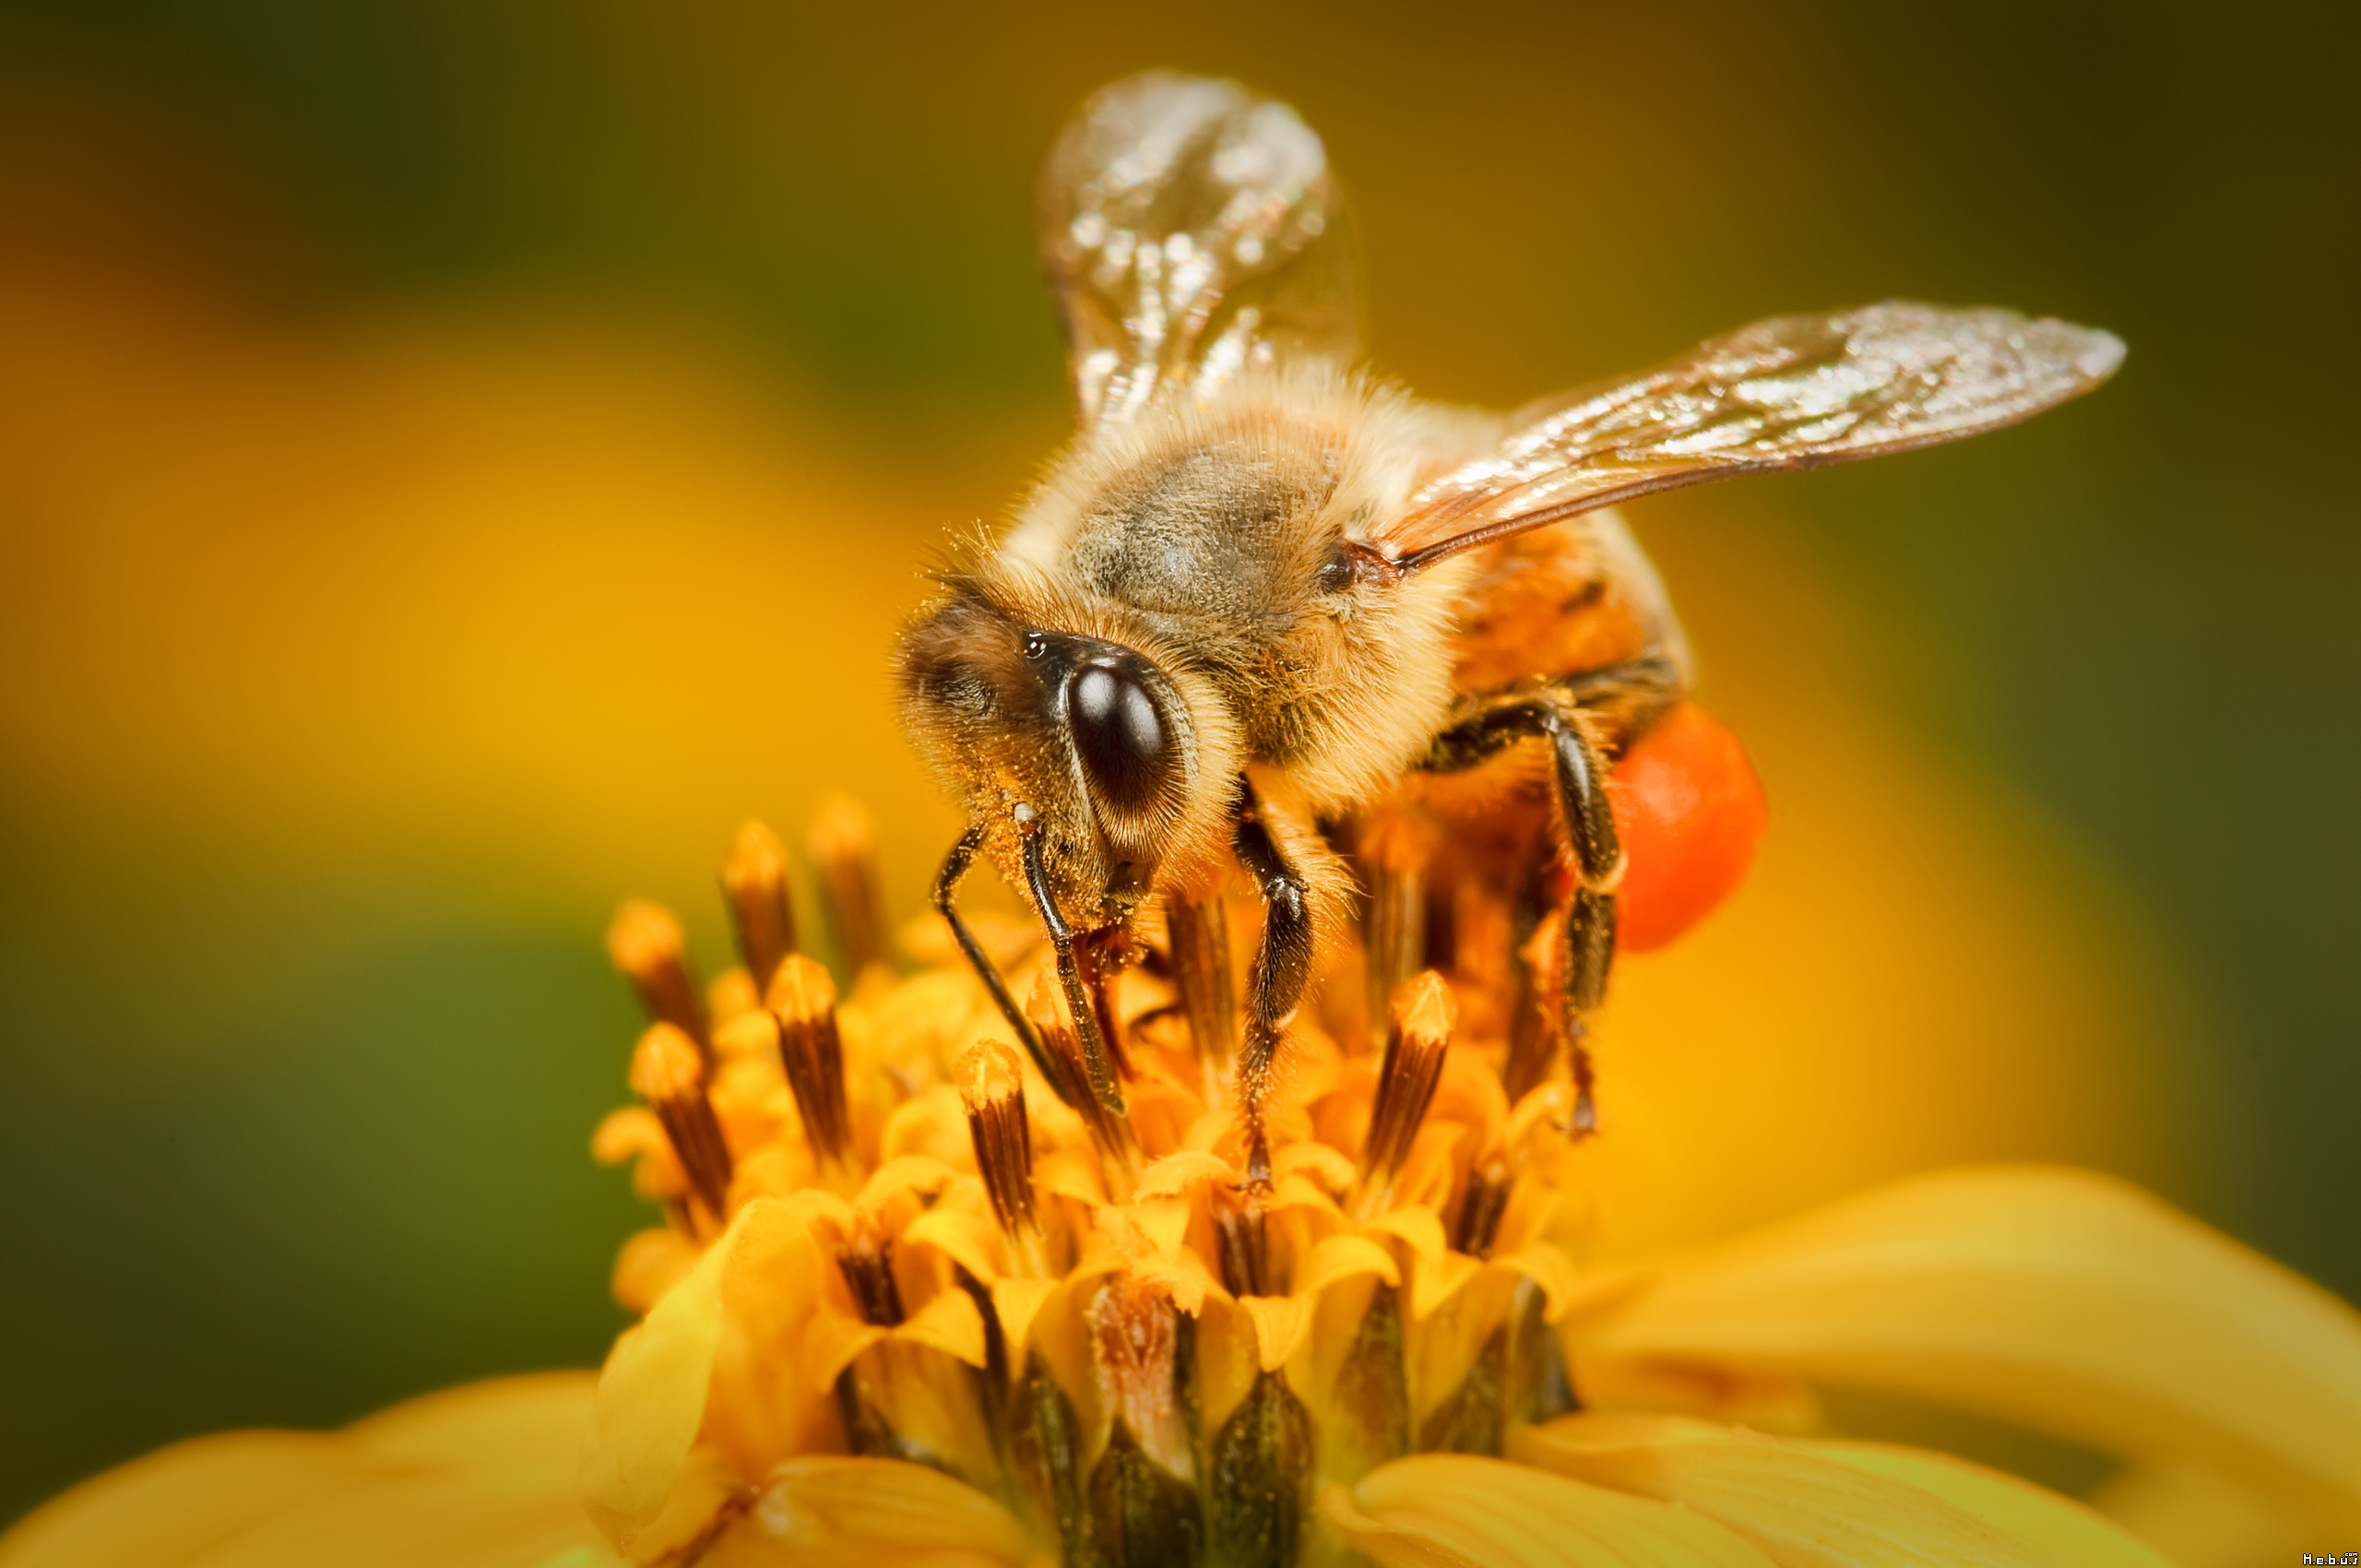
[{"x": 922, "y": 1300}]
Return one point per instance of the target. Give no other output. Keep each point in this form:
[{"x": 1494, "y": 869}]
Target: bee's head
[{"x": 1096, "y": 747}]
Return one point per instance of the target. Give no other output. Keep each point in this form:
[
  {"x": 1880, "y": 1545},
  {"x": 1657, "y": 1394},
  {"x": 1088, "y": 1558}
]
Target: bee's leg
[
  {"x": 1576, "y": 714},
  {"x": 1282, "y": 969},
  {"x": 944, "y": 898}
]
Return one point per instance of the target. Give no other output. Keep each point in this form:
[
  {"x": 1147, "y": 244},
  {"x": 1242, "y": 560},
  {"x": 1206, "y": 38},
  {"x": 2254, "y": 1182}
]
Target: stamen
[
  {"x": 667, "y": 1072},
  {"x": 645, "y": 941},
  {"x": 1488, "y": 1187},
  {"x": 1241, "y": 1241},
  {"x": 803, "y": 999},
  {"x": 869, "y": 1269},
  {"x": 1110, "y": 1131},
  {"x": 762, "y": 905},
  {"x": 1394, "y": 853},
  {"x": 1137, "y": 1344},
  {"x": 993, "y": 1089},
  {"x": 1425, "y": 1012},
  {"x": 1199, "y": 933},
  {"x": 843, "y": 841}
]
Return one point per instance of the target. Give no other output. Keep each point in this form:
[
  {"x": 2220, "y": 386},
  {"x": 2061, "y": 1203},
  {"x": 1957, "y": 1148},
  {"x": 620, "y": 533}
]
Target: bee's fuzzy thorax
[{"x": 1206, "y": 525}]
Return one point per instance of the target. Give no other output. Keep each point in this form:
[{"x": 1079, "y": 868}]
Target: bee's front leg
[
  {"x": 1621, "y": 701},
  {"x": 1282, "y": 969}
]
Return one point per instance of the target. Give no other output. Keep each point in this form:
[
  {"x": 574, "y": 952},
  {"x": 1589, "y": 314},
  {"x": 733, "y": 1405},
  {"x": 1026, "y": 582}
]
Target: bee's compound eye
[{"x": 1118, "y": 734}]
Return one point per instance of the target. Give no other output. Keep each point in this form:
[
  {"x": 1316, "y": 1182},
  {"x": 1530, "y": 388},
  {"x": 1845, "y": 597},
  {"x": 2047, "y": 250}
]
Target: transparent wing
[
  {"x": 1191, "y": 228},
  {"x": 1788, "y": 392}
]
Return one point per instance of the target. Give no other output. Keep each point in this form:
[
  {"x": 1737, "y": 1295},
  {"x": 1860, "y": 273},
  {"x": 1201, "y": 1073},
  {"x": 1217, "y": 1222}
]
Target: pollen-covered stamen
[
  {"x": 667, "y": 1072},
  {"x": 1424, "y": 1013},
  {"x": 843, "y": 841},
  {"x": 992, "y": 1089},
  {"x": 803, "y": 999},
  {"x": 1393, "y": 854},
  {"x": 762, "y": 905},
  {"x": 1143, "y": 1501},
  {"x": 1199, "y": 933},
  {"x": 645, "y": 941},
  {"x": 1110, "y": 1131}
]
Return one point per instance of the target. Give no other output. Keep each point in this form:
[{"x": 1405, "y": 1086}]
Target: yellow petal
[
  {"x": 931, "y": 1125},
  {"x": 170, "y": 1506},
  {"x": 1014, "y": 1302},
  {"x": 1802, "y": 1510},
  {"x": 1176, "y": 1173},
  {"x": 2056, "y": 1298},
  {"x": 1162, "y": 1222},
  {"x": 534, "y": 1419},
  {"x": 950, "y": 1323},
  {"x": 1421, "y": 1229},
  {"x": 1453, "y": 1511},
  {"x": 651, "y": 1401},
  {"x": 824, "y": 1511},
  {"x": 2058, "y": 1527},
  {"x": 1549, "y": 1268},
  {"x": 744, "y": 1322},
  {"x": 1281, "y": 1323},
  {"x": 965, "y": 1239},
  {"x": 1329, "y": 1167},
  {"x": 1343, "y": 1257},
  {"x": 907, "y": 1173},
  {"x": 478, "y": 1476}
]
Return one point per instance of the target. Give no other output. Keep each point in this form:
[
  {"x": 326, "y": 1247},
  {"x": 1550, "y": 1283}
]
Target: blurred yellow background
[{"x": 456, "y": 460}]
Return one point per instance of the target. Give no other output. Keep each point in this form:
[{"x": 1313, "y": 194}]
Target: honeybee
[{"x": 1260, "y": 588}]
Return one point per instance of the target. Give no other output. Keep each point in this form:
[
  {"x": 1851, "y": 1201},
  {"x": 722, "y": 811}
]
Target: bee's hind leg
[
  {"x": 1582, "y": 715},
  {"x": 1282, "y": 969}
]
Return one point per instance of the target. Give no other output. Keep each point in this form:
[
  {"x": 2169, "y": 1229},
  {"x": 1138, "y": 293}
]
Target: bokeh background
[{"x": 457, "y": 458}]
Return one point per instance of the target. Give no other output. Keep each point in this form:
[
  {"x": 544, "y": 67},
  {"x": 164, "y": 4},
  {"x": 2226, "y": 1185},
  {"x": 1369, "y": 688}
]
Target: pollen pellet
[{"x": 1691, "y": 812}]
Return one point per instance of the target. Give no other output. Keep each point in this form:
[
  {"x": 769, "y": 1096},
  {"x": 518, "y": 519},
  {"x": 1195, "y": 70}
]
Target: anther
[
  {"x": 843, "y": 841},
  {"x": 1424, "y": 1015},
  {"x": 992, "y": 1089},
  {"x": 1488, "y": 1187},
  {"x": 868, "y": 1271},
  {"x": 667, "y": 1072},
  {"x": 1199, "y": 931},
  {"x": 1110, "y": 1131},
  {"x": 645, "y": 941},
  {"x": 803, "y": 999},
  {"x": 762, "y": 905}
]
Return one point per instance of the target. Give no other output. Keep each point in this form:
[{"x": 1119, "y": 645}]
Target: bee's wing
[
  {"x": 1191, "y": 228},
  {"x": 1788, "y": 392}
]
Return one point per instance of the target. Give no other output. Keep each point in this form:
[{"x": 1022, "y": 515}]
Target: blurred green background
[{"x": 297, "y": 1094}]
